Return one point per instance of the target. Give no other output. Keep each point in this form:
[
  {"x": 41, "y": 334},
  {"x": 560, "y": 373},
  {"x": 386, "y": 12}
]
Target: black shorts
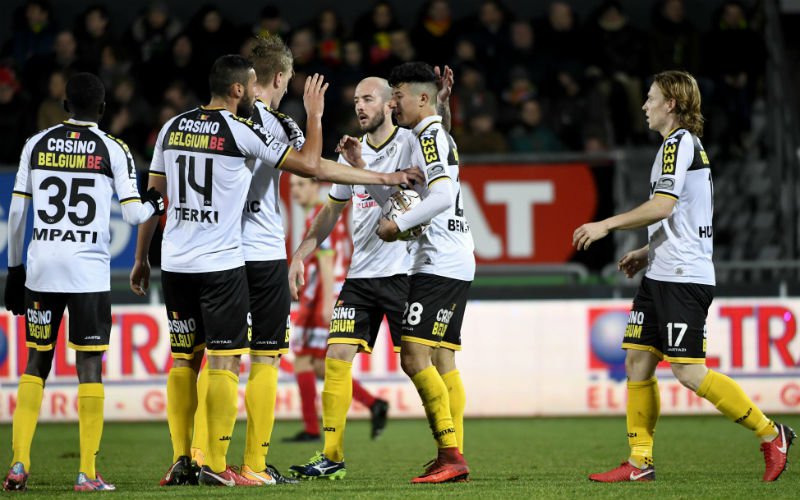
[
  {"x": 270, "y": 304},
  {"x": 207, "y": 310},
  {"x": 89, "y": 319},
  {"x": 669, "y": 320},
  {"x": 360, "y": 309},
  {"x": 435, "y": 311}
]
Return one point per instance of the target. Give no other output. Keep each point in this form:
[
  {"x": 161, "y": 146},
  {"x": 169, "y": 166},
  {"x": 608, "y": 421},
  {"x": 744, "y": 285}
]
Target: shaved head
[{"x": 378, "y": 87}]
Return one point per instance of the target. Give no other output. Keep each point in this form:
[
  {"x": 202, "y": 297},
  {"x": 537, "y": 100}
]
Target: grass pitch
[{"x": 696, "y": 457}]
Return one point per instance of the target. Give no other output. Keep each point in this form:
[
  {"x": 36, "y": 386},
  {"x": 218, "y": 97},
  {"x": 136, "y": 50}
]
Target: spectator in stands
[
  {"x": 352, "y": 69},
  {"x": 575, "y": 108},
  {"x": 674, "y": 40},
  {"x": 179, "y": 96},
  {"x": 92, "y": 34},
  {"x": 212, "y": 36},
  {"x": 471, "y": 96},
  {"x": 492, "y": 43},
  {"x": 51, "y": 110},
  {"x": 304, "y": 50},
  {"x": 34, "y": 32},
  {"x": 616, "y": 55},
  {"x": 165, "y": 112},
  {"x": 271, "y": 22},
  {"x": 114, "y": 64},
  {"x": 531, "y": 134},
  {"x": 434, "y": 33},
  {"x": 151, "y": 32},
  {"x": 127, "y": 116},
  {"x": 329, "y": 33},
  {"x": 401, "y": 51},
  {"x": 481, "y": 136},
  {"x": 559, "y": 33},
  {"x": 16, "y": 119},
  {"x": 372, "y": 30},
  {"x": 527, "y": 53},
  {"x": 64, "y": 57},
  {"x": 735, "y": 75},
  {"x": 179, "y": 64}
]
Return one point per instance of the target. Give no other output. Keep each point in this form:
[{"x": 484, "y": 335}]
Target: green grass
[{"x": 696, "y": 457}]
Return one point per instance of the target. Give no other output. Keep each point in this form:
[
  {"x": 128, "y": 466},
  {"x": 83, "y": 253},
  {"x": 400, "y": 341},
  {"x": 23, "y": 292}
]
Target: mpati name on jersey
[{"x": 65, "y": 235}]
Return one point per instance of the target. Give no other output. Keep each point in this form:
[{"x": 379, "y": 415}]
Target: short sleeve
[
  {"x": 123, "y": 170},
  {"x": 434, "y": 147},
  {"x": 254, "y": 141},
  {"x": 340, "y": 193},
  {"x": 676, "y": 158},
  {"x": 22, "y": 182}
]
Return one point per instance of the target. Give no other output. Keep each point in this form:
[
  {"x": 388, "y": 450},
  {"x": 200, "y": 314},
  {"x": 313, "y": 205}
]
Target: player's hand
[
  {"x": 15, "y": 290},
  {"x": 408, "y": 177},
  {"x": 350, "y": 149},
  {"x": 140, "y": 277},
  {"x": 444, "y": 81},
  {"x": 633, "y": 262},
  {"x": 153, "y": 197},
  {"x": 588, "y": 234},
  {"x": 387, "y": 229},
  {"x": 297, "y": 272},
  {"x": 314, "y": 95}
]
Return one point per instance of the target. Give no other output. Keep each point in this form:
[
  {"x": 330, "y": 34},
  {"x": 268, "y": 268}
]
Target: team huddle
[{"x": 228, "y": 284}]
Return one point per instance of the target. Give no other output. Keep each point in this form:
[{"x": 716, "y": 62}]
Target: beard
[
  {"x": 373, "y": 124},
  {"x": 245, "y": 107}
]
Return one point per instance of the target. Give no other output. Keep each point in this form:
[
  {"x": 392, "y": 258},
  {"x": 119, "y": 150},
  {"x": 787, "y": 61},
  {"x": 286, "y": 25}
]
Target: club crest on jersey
[{"x": 392, "y": 150}]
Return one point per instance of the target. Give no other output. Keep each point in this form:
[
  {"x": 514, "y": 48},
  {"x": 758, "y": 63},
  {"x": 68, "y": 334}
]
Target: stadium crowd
[{"x": 557, "y": 83}]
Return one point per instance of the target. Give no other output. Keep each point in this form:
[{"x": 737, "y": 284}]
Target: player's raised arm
[{"x": 321, "y": 228}]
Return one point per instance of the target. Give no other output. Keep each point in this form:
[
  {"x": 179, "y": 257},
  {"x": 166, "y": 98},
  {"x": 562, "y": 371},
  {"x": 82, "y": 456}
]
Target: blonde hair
[
  {"x": 270, "y": 55},
  {"x": 682, "y": 87}
]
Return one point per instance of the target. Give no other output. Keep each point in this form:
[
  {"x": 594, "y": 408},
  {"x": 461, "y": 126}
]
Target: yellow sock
[
  {"x": 337, "y": 394},
  {"x": 26, "y": 415},
  {"x": 200, "y": 428},
  {"x": 262, "y": 389},
  {"x": 731, "y": 401},
  {"x": 644, "y": 407},
  {"x": 90, "y": 422},
  {"x": 181, "y": 405},
  {"x": 436, "y": 402},
  {"x": 458, "y": 401},
  {"x": 221, "y": 410}
]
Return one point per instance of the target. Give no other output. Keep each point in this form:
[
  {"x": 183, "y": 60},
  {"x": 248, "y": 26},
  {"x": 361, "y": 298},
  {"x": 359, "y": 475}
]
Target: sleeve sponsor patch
[
  {"x": 666, "y": 183},
  {"x": 434, "y": 171},
  {"x": 430, "y": 152}
]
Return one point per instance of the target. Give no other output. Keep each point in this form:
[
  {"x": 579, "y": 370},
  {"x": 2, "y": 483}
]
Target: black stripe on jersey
[
  {"x": 289, "y": 126},
  {"x": 428, "y": 126},
  {"x": 71, "y": 148},
  {"x": 202, "y": 131},
  {"x": 127, "y": 152},
  {"x": 21, "y": 194},
  {"x": 384, "y": 143},
  {"x": 700, "y": 160},
  {"x": 283, "y": 157},
  {"x": 337, "y": 200},
  {"x": 129, "y": 200},
  {"x": 668, "y": 195}
]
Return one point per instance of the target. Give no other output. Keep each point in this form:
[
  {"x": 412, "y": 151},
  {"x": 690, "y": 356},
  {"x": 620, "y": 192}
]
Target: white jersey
[
  {"x": 681, "y": 245},
  {"x": 71, "y": 172},
  {"x": 446, "y": 249},
  {"x": 263, "y": 236},
  {"x": 373, "y": 257},
  {"x": 203, "y": 154}
]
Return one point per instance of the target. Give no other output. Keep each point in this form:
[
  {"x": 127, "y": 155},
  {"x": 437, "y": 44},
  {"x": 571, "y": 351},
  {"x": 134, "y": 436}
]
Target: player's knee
[
  {"x": 342, "y": 352},
  {"x": 39, "y": 363},
  {"x": 639, "y": 365},
  {"x": 413, "y": 363},
  {"x": 690, "y": 375},
  {"x": 89, "y": 365}
]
